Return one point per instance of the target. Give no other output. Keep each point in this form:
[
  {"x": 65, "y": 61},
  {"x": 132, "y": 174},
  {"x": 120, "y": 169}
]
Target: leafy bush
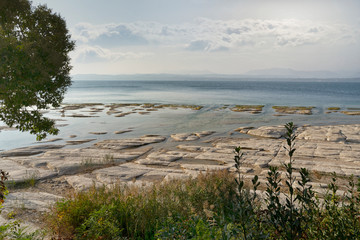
[
  {"x": 3, "y": 189},
  {"x": 136, "y": 212}
]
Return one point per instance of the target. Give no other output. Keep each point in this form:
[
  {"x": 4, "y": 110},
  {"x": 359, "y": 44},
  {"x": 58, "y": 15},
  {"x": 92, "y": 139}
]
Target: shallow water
[{"x": 212, "y": 95}]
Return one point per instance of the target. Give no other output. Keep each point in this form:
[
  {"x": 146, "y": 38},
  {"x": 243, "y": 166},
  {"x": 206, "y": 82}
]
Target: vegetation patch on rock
[
  {"x": 254, "y": 109},
  {"x": 293, "y": 110}
]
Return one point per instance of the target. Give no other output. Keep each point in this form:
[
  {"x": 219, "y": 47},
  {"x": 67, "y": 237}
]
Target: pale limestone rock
[
  {"x": 117, "y": 144},
  {"x": 159, "y": 158},
  {"x": 72, "y": 161},
  {"x": 118, "y": 174},
  {"x": 192, "y": 173},
  {"x": 190, "y": 148},
  {"x": 350, "y": 156},
  {"x": 184, "y": 137},
  {"x": 28, "y": 151},
  {"x": 154, "y": 175},
  {"x": 82, "y": 158},
  {"x": 190, "y": 136},
  {"x": 132, "y": 165},
  {"x": 244, "y": 130},
  {"x": 268, "y": 131},
  {"x": 177, "y": 176},
  {"x": 335, "y": 136},
  {"x": 204, "y": 133},
  {"x": 204, "y": 168},
  {"x": 243, "y": 170},
  {"x": 220, "y": 157},
  {"x": 38, "y": 201},
  {"x": 262, "y": 162},
  {"x": 147, "y": 161},
  {"x": 20, "y": 173},
  {"x": 82, "y": 183},
  {"x": 338, "y": 133}
]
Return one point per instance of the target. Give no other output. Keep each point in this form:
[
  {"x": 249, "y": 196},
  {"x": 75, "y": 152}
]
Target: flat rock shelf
[{"x": 51, "y": 171}]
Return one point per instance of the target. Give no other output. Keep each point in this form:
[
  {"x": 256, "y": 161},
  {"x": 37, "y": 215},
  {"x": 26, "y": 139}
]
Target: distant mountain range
[
  {"x": 261, "y": 74},
  {"x": 291, "y": 73}
]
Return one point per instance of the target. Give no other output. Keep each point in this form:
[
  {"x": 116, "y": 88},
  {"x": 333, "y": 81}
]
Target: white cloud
[
  {"x": 230, "y": 46},
  {"x": 108, "y": 34},
  {"x": 91, "y": 54},
  {"x": 211, "y": 35}
]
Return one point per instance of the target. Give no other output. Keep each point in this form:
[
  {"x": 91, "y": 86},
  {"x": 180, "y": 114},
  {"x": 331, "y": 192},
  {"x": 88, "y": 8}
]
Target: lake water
[
  {"x": 212, "y": 95},
  {"x": 319, "y": 93}
]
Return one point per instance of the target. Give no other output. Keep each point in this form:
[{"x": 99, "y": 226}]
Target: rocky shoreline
[{"x": 43, "y": 174}]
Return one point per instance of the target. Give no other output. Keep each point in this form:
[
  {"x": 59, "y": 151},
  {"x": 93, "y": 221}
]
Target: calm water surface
[{"x": 210, "y": 94}]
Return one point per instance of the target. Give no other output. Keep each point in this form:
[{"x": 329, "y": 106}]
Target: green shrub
[
  {"x": 141, "y": 212},
  {"x": 3, "y": 189}
]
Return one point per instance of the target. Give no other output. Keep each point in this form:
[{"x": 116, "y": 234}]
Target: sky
[{"x": 211, "y": 36}]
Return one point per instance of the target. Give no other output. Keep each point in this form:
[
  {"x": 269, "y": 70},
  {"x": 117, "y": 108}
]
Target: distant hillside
[{"x": 291, "y": 73}]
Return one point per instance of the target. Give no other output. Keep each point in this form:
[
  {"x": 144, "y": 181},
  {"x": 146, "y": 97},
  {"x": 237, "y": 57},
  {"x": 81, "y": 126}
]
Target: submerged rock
[
  {"x": 51, "y": 140},
  {"x": 123, "y": 131},
  {"x": 144, "y": 113},
  {"x": 184, "y": 137},
  {"x": 190, "y": 136},
  {"x": 77, "y": 142},
  {"x": 98, "y": 133},
  {"x": 81, "y": 116},
  {"x": 123, "y": 114}
]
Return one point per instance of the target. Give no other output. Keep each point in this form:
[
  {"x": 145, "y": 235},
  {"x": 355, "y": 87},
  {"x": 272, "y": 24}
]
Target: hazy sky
[{"x": 217, "y": 36}]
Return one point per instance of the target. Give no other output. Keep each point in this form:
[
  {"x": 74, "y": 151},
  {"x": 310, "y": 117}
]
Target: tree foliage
[{"x": 35, "y": 66}]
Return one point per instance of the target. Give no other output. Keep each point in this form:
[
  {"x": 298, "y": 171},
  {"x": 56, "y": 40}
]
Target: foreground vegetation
[{"x": 214, "y": 205}]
